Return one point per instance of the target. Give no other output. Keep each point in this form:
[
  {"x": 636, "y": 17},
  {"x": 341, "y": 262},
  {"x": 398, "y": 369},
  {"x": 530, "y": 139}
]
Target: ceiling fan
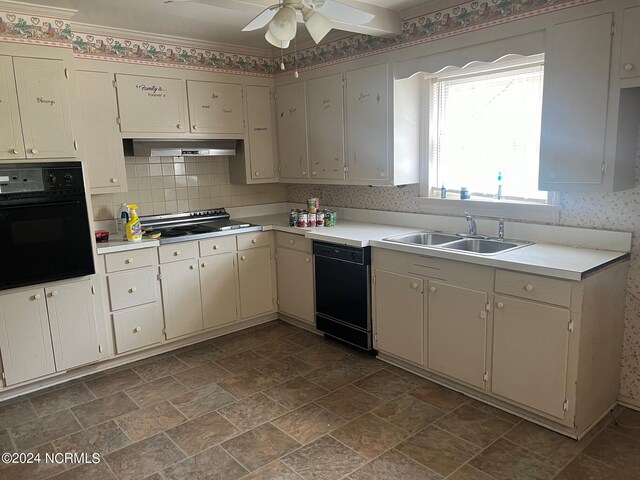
[{"x": 317, "y": 15}]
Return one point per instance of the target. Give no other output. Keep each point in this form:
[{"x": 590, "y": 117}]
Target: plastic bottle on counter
[
  {"x": 133, "y": 228},
  {"x": 121, "y": 220}
]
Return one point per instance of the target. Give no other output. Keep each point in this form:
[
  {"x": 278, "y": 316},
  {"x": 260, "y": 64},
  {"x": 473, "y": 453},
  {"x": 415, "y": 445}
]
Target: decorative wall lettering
[{"x": 51, "y": 103}]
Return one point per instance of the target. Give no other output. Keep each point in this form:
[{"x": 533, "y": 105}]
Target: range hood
[{"x": 184, "y": 148}]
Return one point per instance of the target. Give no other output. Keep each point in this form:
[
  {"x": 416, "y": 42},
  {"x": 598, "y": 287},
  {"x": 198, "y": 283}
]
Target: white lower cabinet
[
  {"x": 530, "y": 354},
  {"x": 181, "y": 298},
  {"x": 44, "y": 330},
  {"x": 138, "y": 327},
  {"x": 255, "y": 279},
  {"x": 219, "y": 292},
  {"x": 399, "y": 315},
  {"x": 295, "y": 283},
  {"x": 457, "y": 332}
]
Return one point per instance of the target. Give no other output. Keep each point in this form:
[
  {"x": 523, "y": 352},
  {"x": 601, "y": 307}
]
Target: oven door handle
[{"x": 13, "y": 205}]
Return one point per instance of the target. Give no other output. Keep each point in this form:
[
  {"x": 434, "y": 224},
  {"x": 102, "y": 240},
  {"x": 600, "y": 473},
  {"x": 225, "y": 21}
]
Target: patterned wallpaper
[{"x": 611, "y": 211}]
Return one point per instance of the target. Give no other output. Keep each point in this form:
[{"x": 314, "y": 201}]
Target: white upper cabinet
[
  {"x": 44, "y": 107},
  {"x": 11, "y": 143},
  {"x": 215, "y": 107},
  {"x": 575, "y": 102},
  {"x": 105, "y": 156},
  {"x": 326, "y": 127},
  {"x": 630, "y": 58},
  {"x": 291, "y": 115},
  {"x": 151, "y": 104},
  {"x": 367, "y": 113},
  {"x": 260, "y": 133}
]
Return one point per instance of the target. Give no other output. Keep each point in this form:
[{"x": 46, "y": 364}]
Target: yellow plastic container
[{"x": 133, "y": 229}]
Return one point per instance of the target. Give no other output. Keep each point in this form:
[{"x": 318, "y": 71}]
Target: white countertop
[{"x": 552, "y": 260}]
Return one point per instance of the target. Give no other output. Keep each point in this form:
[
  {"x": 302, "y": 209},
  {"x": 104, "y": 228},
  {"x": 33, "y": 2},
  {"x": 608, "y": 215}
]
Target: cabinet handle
[
  {"x": 204, "y": 264},
  {"x": 177, "y": 253},
  {"x": 15, "y": 151},
  {"x": 215, "y": 247},
  {"x": 137, "y": 329},
  {"x": 37, "y": 296},
  {"x": 414, "y": 285},
  {"x": 528, "y": 287},
  {"x": 195, "y": 127},
  {"x": 192, "y": 267},
  {"x": 307, "y": 259},
  {"x": 256, "y": 174},
  {"x": 500, "y": 305},
  {"x": 313, "y": 173},
  {"x": 243, "y": 257},
  {"x": 254, "y": 240},
  {"x": 128, "y": 261},
  {"x": 304, "y": 173},
  {"x": 133, "y": 290},
  {"x": 628, "y": 67},
  {"x": 179, "y": 126},
  {"x": 432, "y": 289},
  {"x": 35, "y": 150},
  {"x": 292, "y": 242},
  {"x": 53, "y": 293},
  {"x": 75, "y": 145},
  {"x": 382, "y": 174},
  {"x": 114, "y": 180}
]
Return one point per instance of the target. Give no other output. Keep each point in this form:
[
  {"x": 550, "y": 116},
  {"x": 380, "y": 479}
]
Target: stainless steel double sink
[{"x": 478, "y": 246}]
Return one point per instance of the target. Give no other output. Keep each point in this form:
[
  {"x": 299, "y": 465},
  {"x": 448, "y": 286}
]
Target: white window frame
[{"x": 483, "y": 206}]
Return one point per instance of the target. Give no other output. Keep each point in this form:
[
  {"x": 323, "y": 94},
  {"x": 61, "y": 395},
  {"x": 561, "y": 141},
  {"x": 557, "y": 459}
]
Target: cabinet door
[
  {"x": 291, "y": 109},
  {"x": 11, "y": 143},
  {"x": 219, "y": 289},
  {"x": 181, "y": 297},
  {"x": 25, "y": 337},
  {"x": 105, "y": 155},
  {"x": 44, "y": 107},
  {"x": 215, "y": 107},
  {"x": 151, "y": 104},
  {"x": 574, "y": 111},
  {"x": 367, "y": 100},
  {"x": 326, "y": 127},
  {"x": 73, "y": 324},
  {"x": 630, "y": 57},
  {"x": 399, "y": 315},
  {"x": 256, "y": 288},
  {"x": 457, "y": 332},
  {"x": 295, "y": 284},
  {"x": 530, "y": 348},
  {"x": 260, "y": 136}
]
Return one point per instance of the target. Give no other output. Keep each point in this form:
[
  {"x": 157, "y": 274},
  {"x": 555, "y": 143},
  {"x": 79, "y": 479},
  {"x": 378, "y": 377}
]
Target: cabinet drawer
[
  {"x": 214, "y": 246},
  {"x": 291, "y": 240},
  {"x": 130, "y": 289},
  {"x": 117, "y": 262},
  {"x": 178, "y": 251},
  {"x": 534, "y": 287},
  {"x": 137, "y": 327},
  {"x": 253, "y": 240}
]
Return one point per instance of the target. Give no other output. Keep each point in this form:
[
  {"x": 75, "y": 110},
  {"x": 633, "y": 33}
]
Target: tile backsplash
[{"x": 174, "y": 184}]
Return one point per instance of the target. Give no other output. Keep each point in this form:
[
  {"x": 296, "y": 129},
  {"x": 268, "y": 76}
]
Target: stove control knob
[
  {"x": 51, "y": 180},
  {"x": 68, "y": 178}
]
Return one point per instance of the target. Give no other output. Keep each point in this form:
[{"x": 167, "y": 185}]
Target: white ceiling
[{"x": 198, "y": 21}]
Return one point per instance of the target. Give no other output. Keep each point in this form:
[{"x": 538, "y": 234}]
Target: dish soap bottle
[
  {"x": 121, "y": 220},
  {"x": 133, "y": 228}
]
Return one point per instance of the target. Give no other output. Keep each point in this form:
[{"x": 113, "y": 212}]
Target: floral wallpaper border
[{"x": 469, "y": 16}]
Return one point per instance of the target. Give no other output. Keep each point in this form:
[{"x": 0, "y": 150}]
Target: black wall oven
[{"x": 44, "y": 224}]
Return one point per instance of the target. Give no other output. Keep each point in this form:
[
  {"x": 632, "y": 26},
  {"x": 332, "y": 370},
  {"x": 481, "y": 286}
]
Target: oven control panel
[{"x": 50, "y": 177}]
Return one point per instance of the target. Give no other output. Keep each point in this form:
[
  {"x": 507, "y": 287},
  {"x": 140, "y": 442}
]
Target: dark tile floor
[{"x": 277, "y": 402}]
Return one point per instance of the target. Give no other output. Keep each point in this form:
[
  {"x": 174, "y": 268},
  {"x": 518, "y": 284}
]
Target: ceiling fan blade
[
  {"x": 344, "y": 13},
  {"x": 262, "y": 19}
]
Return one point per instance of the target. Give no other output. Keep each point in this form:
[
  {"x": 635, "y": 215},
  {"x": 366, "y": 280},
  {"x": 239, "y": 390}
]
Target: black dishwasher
[{"x": 343, "y": 292}]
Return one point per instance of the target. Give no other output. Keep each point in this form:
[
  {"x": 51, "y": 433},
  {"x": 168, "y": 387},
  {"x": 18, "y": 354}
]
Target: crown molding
[{"x": 37, "y": 10}]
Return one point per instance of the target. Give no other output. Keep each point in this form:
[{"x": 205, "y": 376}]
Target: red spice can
[
  {"x": 312, "y": 220},
  {"x": 303, "y": 219}
]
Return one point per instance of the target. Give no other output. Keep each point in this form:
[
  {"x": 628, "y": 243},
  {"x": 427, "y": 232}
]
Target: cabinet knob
[
  {"x": 35, "y": 150},
  {"x": 382, "y": 174},
  {"x": 133, "y": 290},
  {"x": 37, "y": 296},
  {"x": 254, "y": 240},
  {"x": 215, "y": 247},
  {"x": 432, "y": 289},
  {"x": 307, "y": 259},
  {"x": 114, "y": 180},
  {"x": 256, "y": 174},
  {"x": 500, "y": 305},
  {"x": 15, "y": 151},
  {"x": 243, "y": 257},
  {"x": 292, "y": 242},
  {"x": 414, "y": 285},
  {"x": 192, "y": 267},
  {"x": 137, "y": 329},
  {"x": 304, "y": 173},
  {"x": 204, "y": 264},
  {"x": 528, "y": 287},
  {"x": 177, "y": 253},
  {"x": 313, "y": 173},
  {"x": 628, "y": 67},
  {"x": 128, "y": 261},
  {"x": 195, "y": 127},
  {"x": 53, "y": 293},
  {"x": 179, "y": 126}
]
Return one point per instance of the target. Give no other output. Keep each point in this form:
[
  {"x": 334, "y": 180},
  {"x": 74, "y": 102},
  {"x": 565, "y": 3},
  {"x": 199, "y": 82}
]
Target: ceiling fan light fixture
[
  {"x": 317, "y": 24},
  {"x": 284, "y": 24},
  {"x": 274, "y": 41}
]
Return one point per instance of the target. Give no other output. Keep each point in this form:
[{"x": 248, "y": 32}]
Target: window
[{"x": 484, "y": 131}]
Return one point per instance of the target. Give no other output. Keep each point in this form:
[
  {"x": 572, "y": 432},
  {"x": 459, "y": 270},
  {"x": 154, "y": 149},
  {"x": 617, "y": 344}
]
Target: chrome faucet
[
  {"x": 473, "y": 229},
  {"x": 501, "y": 230}
]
